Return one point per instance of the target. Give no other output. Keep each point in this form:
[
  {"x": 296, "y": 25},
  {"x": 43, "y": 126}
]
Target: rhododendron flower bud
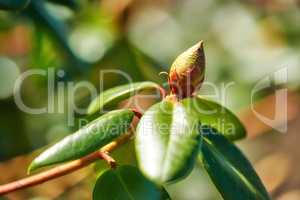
[{"x": 187, "y": 72}]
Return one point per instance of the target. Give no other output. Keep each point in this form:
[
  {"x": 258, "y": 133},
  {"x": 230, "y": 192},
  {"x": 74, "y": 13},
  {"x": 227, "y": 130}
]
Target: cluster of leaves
[{"x": 170, "y": 137}]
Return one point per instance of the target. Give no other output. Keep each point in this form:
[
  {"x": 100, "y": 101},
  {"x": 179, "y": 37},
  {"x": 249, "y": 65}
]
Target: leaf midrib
[
  {"x": 167, "y": 147},
  {"x": 239, "y": 174},
  {"x": 124, "y": 186},
  {"x": 120, "y": 92}
]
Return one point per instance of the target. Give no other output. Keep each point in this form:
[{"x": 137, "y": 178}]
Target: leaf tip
[
  {"x": 34, "y": 165},
  {"x": 91, "y": 108},
  {"x": 31, "y": 168}
]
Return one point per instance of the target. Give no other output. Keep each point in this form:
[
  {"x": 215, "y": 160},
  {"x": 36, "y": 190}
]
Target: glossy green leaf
[
  {"x": 229, "y": 170},
  {"x": 13, "y": 4},
  {"x": 166, "y": 142},
  {"x": 87, "y": 139},
  {"x": 126, "y": 183},
  {"x": 216, "y": 116},
  {"x": 115, "y": 95}
]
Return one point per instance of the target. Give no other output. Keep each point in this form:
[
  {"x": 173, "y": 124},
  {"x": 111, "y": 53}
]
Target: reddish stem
[
  {"x": 66, "y": 168},
  {"x": 137, "y": 113},
  {"x": 69, "y": 167},
  {"x": 163, "y": 92}
]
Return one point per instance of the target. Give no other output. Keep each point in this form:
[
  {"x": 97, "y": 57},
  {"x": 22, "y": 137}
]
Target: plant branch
[
  {"x": 162, "y": 92},
  {"x": 72, "y": 166},
  {"x": 66, "y": 168}
]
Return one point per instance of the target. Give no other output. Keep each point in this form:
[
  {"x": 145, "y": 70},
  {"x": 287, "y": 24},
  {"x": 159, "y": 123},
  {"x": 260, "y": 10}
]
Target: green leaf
[
  {"x": 13, "y": 4},
  {"x": 216, "y": 116},
  {"x": 87, "y": 139},
  {"x": 115, "y": 95},
  {"x": 166, "y": 142},
  {"x": 127, "y": 183},
  {"x": 228, "y": 168}
]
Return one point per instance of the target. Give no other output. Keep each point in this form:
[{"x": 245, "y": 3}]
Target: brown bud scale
[{"x": 187, "y": 72}]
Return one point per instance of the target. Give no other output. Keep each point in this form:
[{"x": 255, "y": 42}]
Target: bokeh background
[{"x": 245, "y": 41}]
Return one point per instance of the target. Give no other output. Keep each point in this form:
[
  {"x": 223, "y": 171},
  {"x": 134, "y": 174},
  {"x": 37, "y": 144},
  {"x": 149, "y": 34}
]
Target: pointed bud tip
[
  {"x": 200, "y": 44},
  {"x": 197, "y": 49}
]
